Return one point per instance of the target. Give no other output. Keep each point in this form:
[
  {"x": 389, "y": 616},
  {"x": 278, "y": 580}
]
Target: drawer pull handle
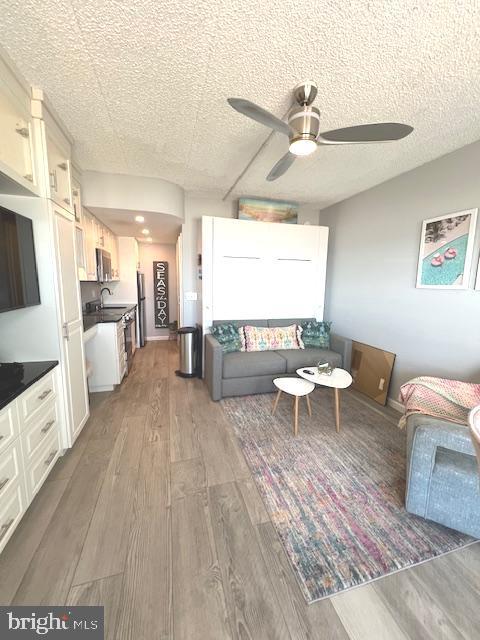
[
  {"x": 48, "y": 426},
  {"x": 23, "y": 131},
  {"x": 63, "y": 166},
  {"x": 43, "y": 395},
  {"x": 51, "y": 457},
  {"x": 3, "y": 483},
  {"x": 5, "y": 527}
]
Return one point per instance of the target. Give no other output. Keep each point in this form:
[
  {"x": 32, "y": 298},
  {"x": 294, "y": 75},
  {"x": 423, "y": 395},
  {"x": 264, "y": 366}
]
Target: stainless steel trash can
[{"x": 188, "y": 338}]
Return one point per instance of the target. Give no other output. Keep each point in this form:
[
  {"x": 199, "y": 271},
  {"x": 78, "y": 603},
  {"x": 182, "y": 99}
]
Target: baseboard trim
[
  {"x": 398, "y": 406},
  {"x": 157, "y": 338}
]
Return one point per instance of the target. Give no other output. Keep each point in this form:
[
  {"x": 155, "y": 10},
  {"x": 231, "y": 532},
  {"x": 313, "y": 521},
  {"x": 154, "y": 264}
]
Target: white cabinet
[
  {"x": 31, "y": 427},
  {"x": 73, "y": 362},
  {"x": 59, "y": 173},
  {"x": 106, "y": 353},
  {"x": 77, "y": 200},
  {"x": 17, "y": 172},
  {"x": 89, "y": 236}
]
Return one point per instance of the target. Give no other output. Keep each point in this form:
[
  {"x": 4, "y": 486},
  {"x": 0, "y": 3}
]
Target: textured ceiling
[{"x": 142, "y": 84}]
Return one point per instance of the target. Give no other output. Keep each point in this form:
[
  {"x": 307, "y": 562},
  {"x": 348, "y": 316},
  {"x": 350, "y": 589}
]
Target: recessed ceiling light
[
  {"x": 145, "y": 232},
  {"x": 148, "y": 239},
  {"x": 139, "y": 219}
]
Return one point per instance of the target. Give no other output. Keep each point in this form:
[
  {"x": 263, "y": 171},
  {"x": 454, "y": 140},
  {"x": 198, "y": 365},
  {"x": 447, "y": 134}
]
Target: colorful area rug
[{"x": 336, "y": 500}]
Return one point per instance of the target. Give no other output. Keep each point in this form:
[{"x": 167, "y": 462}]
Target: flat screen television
[{"x": 18, "y": 267}]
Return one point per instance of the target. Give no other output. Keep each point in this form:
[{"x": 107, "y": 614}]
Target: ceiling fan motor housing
[{"x": 304, "y": 122}]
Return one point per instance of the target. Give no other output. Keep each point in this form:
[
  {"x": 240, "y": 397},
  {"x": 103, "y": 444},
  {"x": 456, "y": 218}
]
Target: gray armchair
[{"x": 442, "y": 474}]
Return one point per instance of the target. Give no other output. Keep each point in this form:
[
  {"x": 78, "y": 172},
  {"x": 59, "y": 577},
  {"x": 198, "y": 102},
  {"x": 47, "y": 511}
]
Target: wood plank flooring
[{"x": 155, "y": 515}]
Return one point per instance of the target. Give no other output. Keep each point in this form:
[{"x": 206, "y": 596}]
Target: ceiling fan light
[{"x": 302, "y": 146}]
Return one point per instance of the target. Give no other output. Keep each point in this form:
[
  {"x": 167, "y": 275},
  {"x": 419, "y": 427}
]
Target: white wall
[
  {"x": 136, "y": 193},
  {"x": 148, "y": 254},
  {"x": 195, "y": 208},
  {"x": 31, "y": 334},
  {"x": 371, "y": 294}
]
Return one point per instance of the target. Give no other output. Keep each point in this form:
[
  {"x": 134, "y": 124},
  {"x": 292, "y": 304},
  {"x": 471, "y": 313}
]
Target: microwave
[{"x": 104, "y": 266}]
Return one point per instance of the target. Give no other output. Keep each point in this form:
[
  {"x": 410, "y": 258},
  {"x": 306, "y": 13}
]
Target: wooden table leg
[
  {"x": 337, "y": 409},
  {"x": 309, "y": 406},
  {"x": 276, "y": 401},
  {"x": 295, "y": 424}
]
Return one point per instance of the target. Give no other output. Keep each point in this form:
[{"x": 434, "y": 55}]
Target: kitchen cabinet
[
  {"x": 59, "y": 173},
  {"x": 90, "y": 244},
  {"x": 32, "y": 423},
  {"x": 107, "y": 356},
  {"x": 77, "y": 201},
  {"x": 17, "y": 170},
  {"x": 71, "y": 320}
]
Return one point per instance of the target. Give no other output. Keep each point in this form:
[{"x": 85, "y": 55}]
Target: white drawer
[
  {"x": 39, "y": 429},
  {"x": 37, "y": 396},
  {"x": 10, "y": 461},
  {"x": 9, "y": 426},
  {"x": 12, "y": 507},
  {"x": 41, "y": 463}
]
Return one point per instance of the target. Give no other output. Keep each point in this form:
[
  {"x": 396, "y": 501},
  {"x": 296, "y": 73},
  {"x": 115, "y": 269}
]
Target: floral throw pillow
[
  {"x": 228, "y": 336},
  {"x": 316, "y": 334},
  {"x": 271, "y": 338}
]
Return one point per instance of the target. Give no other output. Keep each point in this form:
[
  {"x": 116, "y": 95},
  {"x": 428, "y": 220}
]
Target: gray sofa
[{"x": 243, "y": 373}]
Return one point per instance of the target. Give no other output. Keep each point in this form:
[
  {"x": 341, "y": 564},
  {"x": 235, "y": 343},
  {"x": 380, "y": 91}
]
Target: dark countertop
[
  {"x": 16, "y": 377},
  {"x": 106, "y": 314}
]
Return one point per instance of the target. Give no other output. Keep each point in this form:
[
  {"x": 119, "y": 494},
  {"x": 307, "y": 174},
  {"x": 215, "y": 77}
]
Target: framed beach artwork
[
  {"x": 446, "y": 249},
  {"x": 267, "y": 210}
]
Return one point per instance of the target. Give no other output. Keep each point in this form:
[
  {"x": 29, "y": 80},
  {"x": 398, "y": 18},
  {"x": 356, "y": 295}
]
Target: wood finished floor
[{"x": 155, "y": 515}]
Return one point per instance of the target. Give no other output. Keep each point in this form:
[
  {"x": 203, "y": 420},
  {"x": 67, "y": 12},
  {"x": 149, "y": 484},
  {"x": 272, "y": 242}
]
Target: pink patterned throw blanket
[{"x": 446, "y": 399}]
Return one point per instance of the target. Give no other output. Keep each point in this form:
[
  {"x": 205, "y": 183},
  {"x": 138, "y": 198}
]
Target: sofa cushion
[
  {"x": 254, "y": 363},
  {"x": 316, "y": 334},
  {"x": 271, "y": 338},
  {"x": 308, "y": 357},
  {"x": 228, "y": 336},
  {"x": 242, "y": 323},
  {"x": 287, "y": 322}
]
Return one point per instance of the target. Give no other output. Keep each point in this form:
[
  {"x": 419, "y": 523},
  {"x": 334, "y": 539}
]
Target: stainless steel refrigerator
[{"x": 142, "y": 323}]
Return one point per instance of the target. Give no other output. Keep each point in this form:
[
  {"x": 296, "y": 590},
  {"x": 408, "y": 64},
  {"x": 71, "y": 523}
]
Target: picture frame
[
  {"x": 260, "y": 210},
  {"x": 446, "y": 251}
]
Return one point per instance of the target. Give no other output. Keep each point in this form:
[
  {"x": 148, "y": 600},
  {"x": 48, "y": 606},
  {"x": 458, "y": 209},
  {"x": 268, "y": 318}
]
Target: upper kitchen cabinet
[
  {"x": 55, "y": 159},
  {"x": 17, "y": 167}
]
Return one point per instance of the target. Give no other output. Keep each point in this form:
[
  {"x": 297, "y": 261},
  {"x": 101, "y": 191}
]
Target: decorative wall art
[
  {"x": 446, "y": 249},
  {"x": 160, "y": 294},
  {"x": 267, "y": 210}
]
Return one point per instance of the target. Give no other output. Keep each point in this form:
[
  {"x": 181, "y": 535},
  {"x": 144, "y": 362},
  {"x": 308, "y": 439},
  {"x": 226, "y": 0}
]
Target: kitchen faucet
[{"x": 101, "y": 294}]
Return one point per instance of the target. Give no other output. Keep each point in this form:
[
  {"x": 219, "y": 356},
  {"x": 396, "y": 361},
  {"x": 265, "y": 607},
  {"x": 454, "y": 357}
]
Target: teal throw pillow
[
  {"x": 228, "y": 336},
  {"x": 316, "y": 334}
]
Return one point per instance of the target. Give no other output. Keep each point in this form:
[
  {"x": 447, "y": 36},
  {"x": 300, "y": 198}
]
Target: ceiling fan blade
[
  {"x": 255, "y": 112},
  {"x": 365, "y": 133},
  {"x": 282, "y": 166}
]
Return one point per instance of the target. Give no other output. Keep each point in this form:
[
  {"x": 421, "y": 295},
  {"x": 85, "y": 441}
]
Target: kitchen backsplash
[{"x": 89, "y": 291}]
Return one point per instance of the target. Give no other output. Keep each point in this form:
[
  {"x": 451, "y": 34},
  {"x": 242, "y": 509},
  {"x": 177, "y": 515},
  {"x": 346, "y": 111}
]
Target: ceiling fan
[{"x": 303, "y": 126}]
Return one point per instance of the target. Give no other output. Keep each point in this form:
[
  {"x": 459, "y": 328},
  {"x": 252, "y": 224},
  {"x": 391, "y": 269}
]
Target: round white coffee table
[
  {"x": 339, "y": 379},
  {"x": 296, "y": 387}
]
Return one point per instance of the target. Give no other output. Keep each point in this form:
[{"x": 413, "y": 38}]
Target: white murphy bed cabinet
[
  {"x": 29, "y": 447},
  {"x": 258, "y": 270}
]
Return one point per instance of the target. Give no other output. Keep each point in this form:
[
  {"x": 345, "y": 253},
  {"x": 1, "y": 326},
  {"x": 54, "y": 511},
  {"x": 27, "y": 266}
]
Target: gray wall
[{"x": 373, "y": 253}]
